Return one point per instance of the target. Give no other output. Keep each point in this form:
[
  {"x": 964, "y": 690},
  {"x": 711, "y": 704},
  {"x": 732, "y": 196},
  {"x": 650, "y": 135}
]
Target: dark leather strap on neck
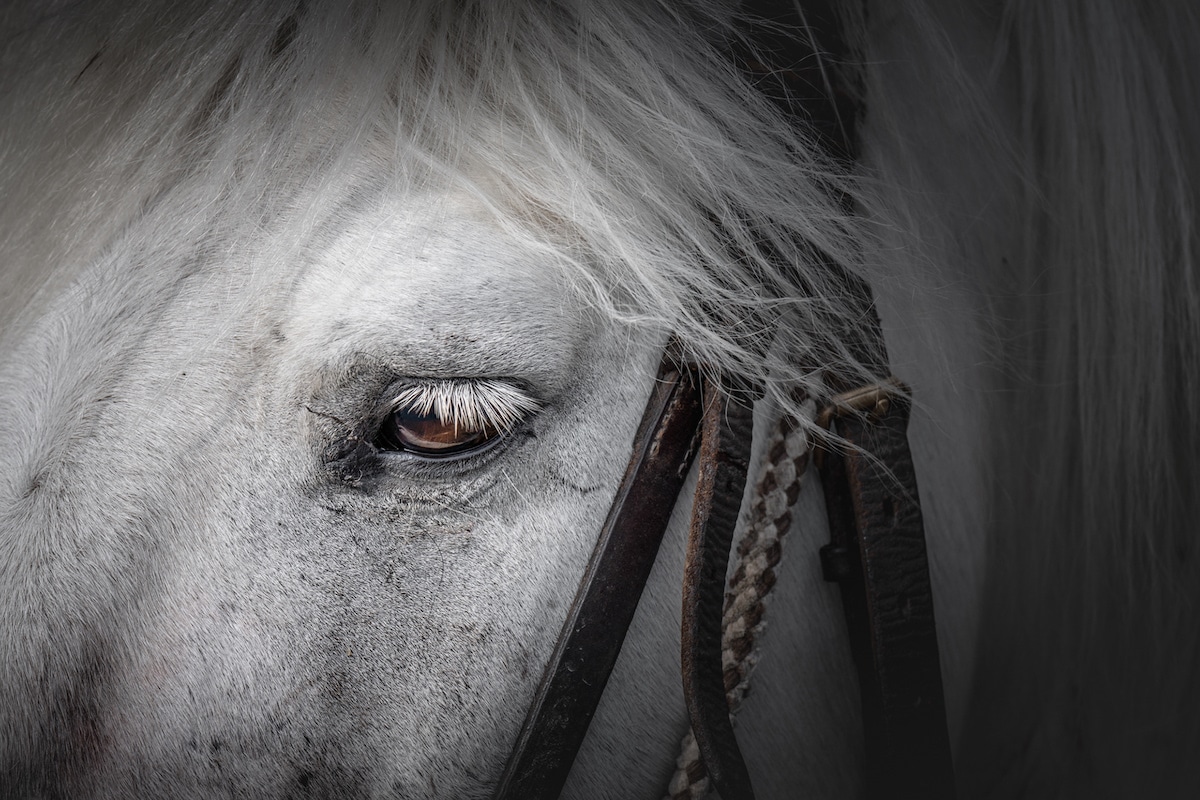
[
  {"x": 877, "y": 555},
  {"x": 877, "y": 552},
  {"x": 728, "y": 428},
  {"x": 608, "y": 593}
]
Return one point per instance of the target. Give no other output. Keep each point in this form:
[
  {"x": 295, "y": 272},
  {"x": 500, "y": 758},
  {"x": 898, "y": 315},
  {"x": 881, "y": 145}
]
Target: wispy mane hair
[
  {"x": 674, "y": 195},
  {"x": 1089, "y": 664}
]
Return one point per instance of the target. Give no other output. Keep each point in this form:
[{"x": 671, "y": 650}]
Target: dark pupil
[{"x": 427, "y": 433}]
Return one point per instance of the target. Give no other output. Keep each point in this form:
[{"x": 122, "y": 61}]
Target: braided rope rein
[{"x": 744, "y": 617}]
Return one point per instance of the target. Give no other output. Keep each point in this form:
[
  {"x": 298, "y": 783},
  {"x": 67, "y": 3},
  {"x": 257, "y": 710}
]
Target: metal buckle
[{"x": 873, "y": 399}]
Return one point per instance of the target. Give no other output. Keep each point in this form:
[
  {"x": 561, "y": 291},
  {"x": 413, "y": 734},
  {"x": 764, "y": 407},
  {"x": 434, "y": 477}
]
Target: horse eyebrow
[{"x": 470, "y": 403}]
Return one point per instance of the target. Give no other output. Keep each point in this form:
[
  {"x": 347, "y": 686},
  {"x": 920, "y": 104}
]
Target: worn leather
[
  {"x": 608, "y": 593},
  {"x": 877, "y": 552},
  {"x": 724, "y": 461},
  {"x": 877, "y": 555}
]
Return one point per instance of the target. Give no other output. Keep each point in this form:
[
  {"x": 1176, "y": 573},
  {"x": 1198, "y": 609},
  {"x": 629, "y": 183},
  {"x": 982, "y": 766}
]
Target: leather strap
[
  {"x": 608, "y": 593},
  {"x": 727, "y": 429},
  {"x": 877, "y": 555},
  {"x": 877, "y": 552}
]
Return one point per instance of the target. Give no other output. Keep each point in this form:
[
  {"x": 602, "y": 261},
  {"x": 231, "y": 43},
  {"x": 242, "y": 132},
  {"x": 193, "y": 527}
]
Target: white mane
[
  {"x": 578, "y": 130},
  {"x": 678, "y": 199},
  {"x": 1088, "y": 647}
]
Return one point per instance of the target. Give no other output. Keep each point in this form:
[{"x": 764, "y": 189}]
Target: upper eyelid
[{"x": 473, "y": 403}]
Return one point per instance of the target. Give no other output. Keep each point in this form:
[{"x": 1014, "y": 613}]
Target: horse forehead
[{"x": 439, "y": 276}]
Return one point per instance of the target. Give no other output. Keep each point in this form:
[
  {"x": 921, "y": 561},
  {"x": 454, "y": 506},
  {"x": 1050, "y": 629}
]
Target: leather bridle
[{"x": 876, "y": 554}]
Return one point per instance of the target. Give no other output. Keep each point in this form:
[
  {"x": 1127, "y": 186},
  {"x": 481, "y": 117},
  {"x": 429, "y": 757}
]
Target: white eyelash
[{"x": 469, "y": 404}]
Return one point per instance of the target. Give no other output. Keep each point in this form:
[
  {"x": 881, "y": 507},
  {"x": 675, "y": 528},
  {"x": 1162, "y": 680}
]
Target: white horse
[{"x": 237, "y": 238}]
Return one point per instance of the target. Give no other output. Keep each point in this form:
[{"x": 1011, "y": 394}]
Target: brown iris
[{"x": 429, "y": 434}]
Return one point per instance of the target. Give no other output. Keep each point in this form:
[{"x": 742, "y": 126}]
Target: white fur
[{"x": 226, "y": 250}]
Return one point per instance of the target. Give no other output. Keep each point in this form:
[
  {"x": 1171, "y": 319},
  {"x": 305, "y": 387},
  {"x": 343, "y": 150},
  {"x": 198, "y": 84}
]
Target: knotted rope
[{"x": 744, "y": 617}]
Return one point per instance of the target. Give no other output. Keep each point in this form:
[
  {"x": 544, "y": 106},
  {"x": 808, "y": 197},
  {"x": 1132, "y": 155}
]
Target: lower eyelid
[{"x": 452, "y": 465}]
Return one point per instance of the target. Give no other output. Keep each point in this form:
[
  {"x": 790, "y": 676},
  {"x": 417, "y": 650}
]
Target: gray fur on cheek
[{"x": 296, "y": 631}]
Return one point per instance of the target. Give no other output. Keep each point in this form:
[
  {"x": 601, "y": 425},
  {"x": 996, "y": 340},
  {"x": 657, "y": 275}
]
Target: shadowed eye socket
[{"x": 436, "y": 419}]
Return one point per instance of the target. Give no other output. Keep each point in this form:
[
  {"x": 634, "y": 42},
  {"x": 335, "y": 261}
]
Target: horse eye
[{"x": 429, "y": 435}]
